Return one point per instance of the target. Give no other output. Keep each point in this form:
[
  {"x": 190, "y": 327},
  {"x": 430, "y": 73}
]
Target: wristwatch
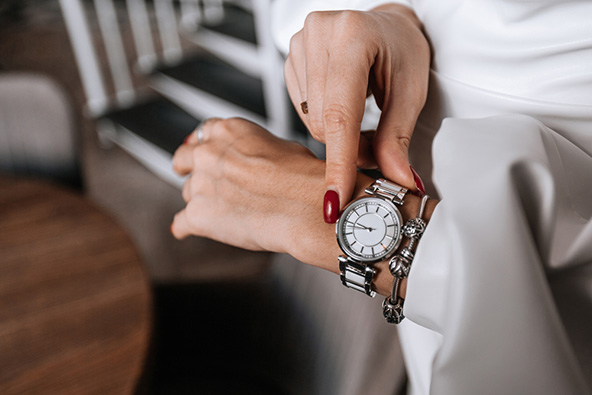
[{"x": 368, "y": 231}]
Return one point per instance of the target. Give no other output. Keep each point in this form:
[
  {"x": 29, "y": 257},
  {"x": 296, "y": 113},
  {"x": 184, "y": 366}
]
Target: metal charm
[
  {"x": 399, "y": 265},
  {"x": 393, "y": 313},
  {"x": 414, "y": 228}
]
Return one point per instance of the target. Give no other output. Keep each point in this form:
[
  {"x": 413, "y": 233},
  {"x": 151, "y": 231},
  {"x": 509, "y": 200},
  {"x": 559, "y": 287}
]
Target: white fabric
[{"x": 500, "y": 293}]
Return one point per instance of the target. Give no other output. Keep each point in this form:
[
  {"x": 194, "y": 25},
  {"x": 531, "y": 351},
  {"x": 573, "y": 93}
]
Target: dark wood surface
[{"x": 75, "y": 312}]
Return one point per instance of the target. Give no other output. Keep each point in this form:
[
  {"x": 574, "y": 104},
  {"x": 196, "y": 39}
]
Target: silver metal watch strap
[
  {"x": 357, "y": 275},
  {"x": 388, "y": 190}
]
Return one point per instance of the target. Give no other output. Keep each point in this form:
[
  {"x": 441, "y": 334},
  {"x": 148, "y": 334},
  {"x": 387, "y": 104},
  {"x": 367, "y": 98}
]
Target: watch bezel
[{"x": 345, "y": 246}]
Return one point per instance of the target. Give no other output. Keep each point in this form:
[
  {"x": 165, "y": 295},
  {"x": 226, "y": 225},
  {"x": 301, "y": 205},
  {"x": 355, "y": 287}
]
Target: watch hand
[{"x": 360, "y": 226}]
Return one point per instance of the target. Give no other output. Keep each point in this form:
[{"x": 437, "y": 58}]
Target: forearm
[{"x": 319, "y": 247}]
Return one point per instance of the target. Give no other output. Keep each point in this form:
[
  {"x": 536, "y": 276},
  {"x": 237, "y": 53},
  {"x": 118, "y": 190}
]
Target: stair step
[
  {"x": 207, "y": 73},
  {"x": 158, "y": 121}
]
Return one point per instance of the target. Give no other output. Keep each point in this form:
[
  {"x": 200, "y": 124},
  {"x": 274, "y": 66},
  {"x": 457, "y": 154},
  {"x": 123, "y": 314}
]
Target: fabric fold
[{"x": 499, "y": 178}]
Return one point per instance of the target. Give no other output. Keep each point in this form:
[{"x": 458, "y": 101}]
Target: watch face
[{"x": 369, "y": 229}]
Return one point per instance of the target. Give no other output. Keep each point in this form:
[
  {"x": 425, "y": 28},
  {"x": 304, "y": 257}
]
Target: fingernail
[
  {"x": 331, "y": 207},
  {"x": 171, "y": 228},
  {"x": 186, "y": 138},
  {"x": 418, "y": 182},
  {"x": 304, "y": 107}
]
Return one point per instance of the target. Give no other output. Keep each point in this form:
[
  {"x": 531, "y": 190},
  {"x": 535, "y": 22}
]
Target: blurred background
[{"x": 96, "y": 296}]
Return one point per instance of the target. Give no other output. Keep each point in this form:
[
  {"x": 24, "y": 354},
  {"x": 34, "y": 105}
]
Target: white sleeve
[
  {"x": 288, "y": 15},
  {"x": 507, "y": 249}
]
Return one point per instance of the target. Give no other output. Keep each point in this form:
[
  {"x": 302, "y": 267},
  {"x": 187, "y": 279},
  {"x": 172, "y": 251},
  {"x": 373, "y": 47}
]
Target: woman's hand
[
  {"x": 251, "y": 189},
  {"x": 334, "y": 61}
]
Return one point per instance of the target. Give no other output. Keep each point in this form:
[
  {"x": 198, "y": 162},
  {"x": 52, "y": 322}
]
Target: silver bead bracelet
[{"x": 400, "y": 264}]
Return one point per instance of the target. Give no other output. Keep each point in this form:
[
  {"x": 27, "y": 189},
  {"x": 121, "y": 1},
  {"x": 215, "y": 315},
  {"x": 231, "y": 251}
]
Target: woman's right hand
[{"x": 334, "y": 62}]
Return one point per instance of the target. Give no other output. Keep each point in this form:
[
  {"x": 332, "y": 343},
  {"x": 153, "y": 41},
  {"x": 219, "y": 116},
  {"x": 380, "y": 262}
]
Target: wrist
[{"x": 319, "y": 248}]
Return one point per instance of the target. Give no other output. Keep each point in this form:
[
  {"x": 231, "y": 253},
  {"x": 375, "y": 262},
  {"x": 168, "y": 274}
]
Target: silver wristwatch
[{"x": 368, "y": 231}]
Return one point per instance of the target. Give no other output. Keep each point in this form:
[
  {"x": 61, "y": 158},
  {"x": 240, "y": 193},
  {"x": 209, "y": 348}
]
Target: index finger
[{"x": 343, "y": 109}]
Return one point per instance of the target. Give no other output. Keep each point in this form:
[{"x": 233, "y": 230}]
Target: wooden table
[{"x": 75, "y": 311}]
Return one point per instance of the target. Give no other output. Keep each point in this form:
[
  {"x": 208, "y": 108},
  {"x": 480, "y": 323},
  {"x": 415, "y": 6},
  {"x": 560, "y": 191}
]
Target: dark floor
[{"x": 215, "y": 339}]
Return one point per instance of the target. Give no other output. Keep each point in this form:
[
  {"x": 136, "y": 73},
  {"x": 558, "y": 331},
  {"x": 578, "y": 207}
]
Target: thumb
[{"x": 391, "y": 150}]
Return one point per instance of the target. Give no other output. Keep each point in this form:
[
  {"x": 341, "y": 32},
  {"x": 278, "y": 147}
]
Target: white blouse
[{"x": 499, "y": 298}]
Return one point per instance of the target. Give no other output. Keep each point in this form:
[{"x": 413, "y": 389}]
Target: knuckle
[
  {"x": 335, "y": 119},
  {"x": 313, "y": 18},
  {"x": 233, "y": 126},
  {"x": 348, "y": 22},
  {"x": 210, "y": 123},
  {"x": 348, "y": 17},
  {"x": 196, "y": 156},
  {"x": 195, "y": 184},
  {"x": 194, "y": 213},
  {"x": 224, "y": 126},
  {"x": 342, "y": 165},
  {"x": 296, "y": 42},
  {"x": 176, "y": 165},
  {"x": 404, "y": 141},
  {"x": 225, "y": 165},
  {"x": 211, "y": 161},
  {"x": 398, "y": 136}
]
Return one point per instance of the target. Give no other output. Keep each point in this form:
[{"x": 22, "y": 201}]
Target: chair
[
  {"x": 145, "y": 124},
  {"x": 245, "y": 71},
  {"x": 231, "y": 69},
  {"x": 36, "y": 129}
]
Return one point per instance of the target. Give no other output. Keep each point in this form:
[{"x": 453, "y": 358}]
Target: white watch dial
[{"x": 369, "y": 229}]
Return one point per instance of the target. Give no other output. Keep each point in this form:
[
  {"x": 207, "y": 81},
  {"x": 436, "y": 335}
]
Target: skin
[
  {"x": 334, "y": 62},
  {"x": 253, "y": 190}
]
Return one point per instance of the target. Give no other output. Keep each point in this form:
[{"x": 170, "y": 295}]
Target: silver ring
[{"x": 200, "y": 134}]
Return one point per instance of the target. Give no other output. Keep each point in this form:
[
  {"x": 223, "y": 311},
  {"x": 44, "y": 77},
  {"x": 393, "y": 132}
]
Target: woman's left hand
[
  {"x": 253, "y": 190},
  {"x": 249, "y": 188}
]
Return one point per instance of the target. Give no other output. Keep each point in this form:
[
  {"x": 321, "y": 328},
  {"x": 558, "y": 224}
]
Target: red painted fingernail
[
  {"x": 418, "y": 182},
  {"x": 171, "y": 228},
  {"x": 186, "y": 139},
  {"x": 331, "y": 207}
]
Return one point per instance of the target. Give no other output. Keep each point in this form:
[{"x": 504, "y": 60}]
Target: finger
[
  {"x": 186, "y": 191},
  {"x": 194, "y": 219},
  {"x": 200, "y": 183},
  {"x": 343, "y": 109},
  {"x": 294, "y": 92},
  {"x": 181, "y": 228},
  {"x": 206, "y": 127},
  {"x": 296, "y": 67},
  {"x": 317, "y": 61},
  {"x": 395, "y": 129},
  {"x": 203, "y": 158},
  {"x": 183, "y": 159}
]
